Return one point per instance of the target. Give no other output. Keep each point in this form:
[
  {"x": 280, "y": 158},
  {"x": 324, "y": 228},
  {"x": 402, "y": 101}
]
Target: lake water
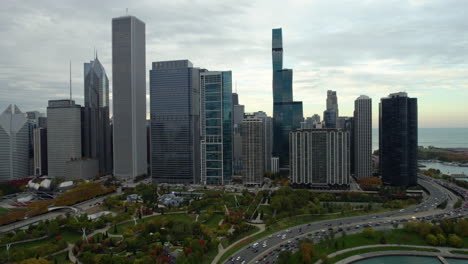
[
  {"x": 456, "y": 261},
  {"x": 437, "y": 137},
  {"x": 445, "y": 169},
  {"x": 400, "y": 260}
]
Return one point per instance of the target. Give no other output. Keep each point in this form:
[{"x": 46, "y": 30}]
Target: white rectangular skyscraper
[
  {"x": 63, "y": 135},
  {"x": 363, "y": 137},
  {"x": 129, "y": 97}
]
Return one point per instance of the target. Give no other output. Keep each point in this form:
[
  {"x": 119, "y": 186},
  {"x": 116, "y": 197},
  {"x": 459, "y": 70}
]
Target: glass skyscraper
[
  {"x": 216, "y": 127},
  {"x": 287, "y": 114},
  {"x": 175, "y": 122},
  {"x": 96, "y": 126},
  {"x": 398, "y": 140}
]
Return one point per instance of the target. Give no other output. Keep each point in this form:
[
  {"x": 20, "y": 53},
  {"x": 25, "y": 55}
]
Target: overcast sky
[{"x": 354, "y": 47}]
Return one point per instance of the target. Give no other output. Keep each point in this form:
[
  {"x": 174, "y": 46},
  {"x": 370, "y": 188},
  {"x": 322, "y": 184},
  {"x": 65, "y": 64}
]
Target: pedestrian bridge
[{"x": 74, "y": 209}]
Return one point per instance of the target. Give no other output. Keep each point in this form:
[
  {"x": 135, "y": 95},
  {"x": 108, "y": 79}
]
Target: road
[{"x": 266, "y": 250}]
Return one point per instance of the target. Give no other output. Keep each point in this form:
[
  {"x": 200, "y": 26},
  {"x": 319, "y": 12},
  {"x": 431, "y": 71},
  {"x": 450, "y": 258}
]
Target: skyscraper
[
  {"x": 40, "y": 151},
  {"x": 63, "y": 135},
  {"x": 363, "y": 137},
  {"x": 268, "y": 137},
  {"x": 129, "y": 96},
  {"x": 320, "y": 157},
  {"x": 287, "y": 114},
  {"x": 252, "y": 150},
  {"x": 398, "y": 140},
  {"x": 96, "y": 124},
  {"x": 175, "y": 122},
  {"x": 14, "y": 144},
  {"x": 330, "y": 116},
  {"x": 216, "y": 127}
]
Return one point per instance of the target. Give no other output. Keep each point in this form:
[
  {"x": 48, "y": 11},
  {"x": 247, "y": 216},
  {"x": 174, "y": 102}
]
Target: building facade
[
  {"x": 398, "y": 140},
  {"x": 252, "y": 150},
  {"x": 129, "y": 97},
  {"x": 96, "y": 124},
  {"x": 216, "y": 127},
  {"x": 40, "y": 151},
  {"x": 175, "y": 122},
  {"x": 320, "y": 157},
  {"x": 14, "y": 144},
  {"x": 363, "y": 137},
  {"x": 63, "y": 135},
  {"x": 287, "y": 114},
  {"x": 268, "y": 137}
]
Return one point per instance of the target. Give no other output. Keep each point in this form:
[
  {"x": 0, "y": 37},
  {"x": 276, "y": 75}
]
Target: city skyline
[{"x": 405, "y": 57}]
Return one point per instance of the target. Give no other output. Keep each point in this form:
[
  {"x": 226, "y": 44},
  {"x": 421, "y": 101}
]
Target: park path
[
  {"x": 222, "y": 250},
  {"x": 443, "y": 250},
  {"x": 25, "y": 241}
]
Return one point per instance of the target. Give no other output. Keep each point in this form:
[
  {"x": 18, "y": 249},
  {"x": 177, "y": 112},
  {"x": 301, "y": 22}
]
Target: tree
[
  {"x": 34, "y": 261},
  {"x": 432, "y": 240},
  {"x": 383, "y": 240},
  {"x": 368, "y": 233},
  {"x": 442, "y": 240},
  {"x": 284, "y": 256},
  {"x": 455, "y": 241}
]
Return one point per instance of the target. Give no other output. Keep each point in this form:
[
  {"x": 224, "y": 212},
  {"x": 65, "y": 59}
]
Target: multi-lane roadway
[{"x": 267, "y": 249}]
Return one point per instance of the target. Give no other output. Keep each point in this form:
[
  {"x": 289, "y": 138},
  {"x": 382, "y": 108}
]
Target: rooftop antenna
[
  {"x": 126, "y": 11},
  {"x": 236, "y": 86},
  {"x": 70, "y": 85}
]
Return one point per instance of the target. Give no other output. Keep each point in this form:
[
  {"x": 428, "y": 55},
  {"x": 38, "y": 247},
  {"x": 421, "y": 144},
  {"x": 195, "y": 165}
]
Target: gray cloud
[{"x": 354, "y": 47}]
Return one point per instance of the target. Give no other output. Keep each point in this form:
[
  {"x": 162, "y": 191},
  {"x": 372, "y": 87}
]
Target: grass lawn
[
  {"x": 3, "y": 211},
  {"x": 214, "y": 220},
  {"x": 182, "y": 216},
  {"x": 70, "y": 236},
  {"x": 61, "y": 258},
  {"x": 374, "y": 249}
]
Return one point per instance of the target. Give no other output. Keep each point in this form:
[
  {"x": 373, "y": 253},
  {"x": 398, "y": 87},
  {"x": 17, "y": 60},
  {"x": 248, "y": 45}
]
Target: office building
[
  {"x": 63, "y": 135},
  {"x": 235, "y": 99},
  {"x": 287, "y": 114},
  {"x": 362, "y": 137},
  {"x": 175, "y": 122},
  {"x": 320, "y": 157},
  {"x": 398, "y": 140},
  {"x": 14, "y": 144},
  {"x": 129, "y": 97},
  {"x": 274, "y": 165},
  {"x": 40, "y": 151},
  {"x": 330, "y": 116},
  {"x": 216, "y": 127},
  {"x": 96, "y": 138},
  {"x": 252, "y": 150}
]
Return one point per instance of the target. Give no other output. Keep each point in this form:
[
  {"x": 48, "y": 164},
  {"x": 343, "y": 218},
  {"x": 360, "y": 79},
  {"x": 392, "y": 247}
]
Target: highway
[{"x": 267, "y": 249}]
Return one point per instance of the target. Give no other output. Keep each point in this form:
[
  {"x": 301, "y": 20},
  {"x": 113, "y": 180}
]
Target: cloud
[{"x": 355, "y": 47}]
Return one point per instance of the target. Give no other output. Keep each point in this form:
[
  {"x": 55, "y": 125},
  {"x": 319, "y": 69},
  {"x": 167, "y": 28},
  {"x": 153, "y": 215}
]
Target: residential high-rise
[
  {"x": 96, "y": 124},
  {"x": 129, "y": 97},
  {"x": 14, "y": 144},
  {"x": 175, "y": 122},
  {"x": 216, "y": 127},
  {"x": 363, "y": 137},
  {"x": 287, "y": 114},
  {"x": 268, "y": 137},
  {"x": 398, "y": 139},
  {"x": 40, "y": 151},
  {"x": 63, "y": 135},
  {"x": 320, "y": 157},
  {"x": 252, "y": 150}
]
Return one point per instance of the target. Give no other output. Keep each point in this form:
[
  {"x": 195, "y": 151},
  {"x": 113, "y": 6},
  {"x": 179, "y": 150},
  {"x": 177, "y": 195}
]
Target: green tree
[
  {"x": 368, "y": 233},
  {"x": 383, "y": 240},
  {"x": 432, "y": 240},
  {"x": 442, "y": 240},
  {"x": 455, "y": 241},
  {"x": 284, "y": 257}
]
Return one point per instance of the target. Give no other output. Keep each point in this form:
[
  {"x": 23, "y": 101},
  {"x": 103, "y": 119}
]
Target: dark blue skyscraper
[
  {"x": 216, "y": 127},
  {"x": 398, "y": 140},
  {"x": 175, "y": 122},
  {"x": 287, "y": 114}
]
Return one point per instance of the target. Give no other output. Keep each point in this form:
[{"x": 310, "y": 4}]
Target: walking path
[
  {"x": 444, "y": 251},
  {"x": 25, "y": 241},
  {"x": 222, "y": 250}
]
